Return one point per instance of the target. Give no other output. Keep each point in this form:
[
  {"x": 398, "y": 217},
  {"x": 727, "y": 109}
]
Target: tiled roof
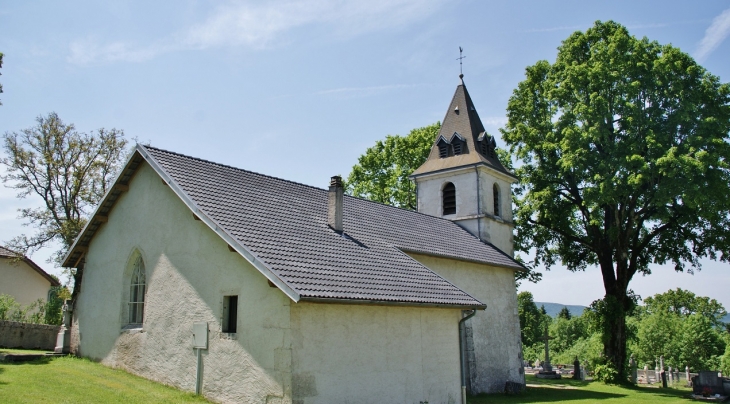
[
  {"x": 284, "y": 224},
  {"x": 4, "y": 252},
  {"x": 461, "y": 118}
]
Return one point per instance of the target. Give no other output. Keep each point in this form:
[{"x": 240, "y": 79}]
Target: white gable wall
[
  {"x": 189, "y": 269},
  {"x": 360, "y": 354},
  {"x": 21, "y": 281},
  {"x": 496, "y": 330}
]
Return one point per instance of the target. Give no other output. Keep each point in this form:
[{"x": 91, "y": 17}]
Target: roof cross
[{"x": 461, "y": 72}]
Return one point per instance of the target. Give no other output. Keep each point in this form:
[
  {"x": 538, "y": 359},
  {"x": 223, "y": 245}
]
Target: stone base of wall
[{"x": 28, "y": 336}]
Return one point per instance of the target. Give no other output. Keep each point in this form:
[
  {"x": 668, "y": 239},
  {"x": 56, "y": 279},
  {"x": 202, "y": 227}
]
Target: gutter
[{"x": 462, "y": 351}]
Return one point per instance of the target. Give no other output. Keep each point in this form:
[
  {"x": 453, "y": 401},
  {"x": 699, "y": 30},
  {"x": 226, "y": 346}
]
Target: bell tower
[{"x": 463, "y": 180}]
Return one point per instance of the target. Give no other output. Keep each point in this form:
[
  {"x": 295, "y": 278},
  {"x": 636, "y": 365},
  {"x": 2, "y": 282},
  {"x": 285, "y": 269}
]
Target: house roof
[
  {"x": 281, "y": 228},
  {"x": 461, "y": 118},
  {"x": 9, "y": 254}
]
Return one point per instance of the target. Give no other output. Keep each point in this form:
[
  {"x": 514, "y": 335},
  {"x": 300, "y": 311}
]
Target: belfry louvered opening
[
  {"x": 458, "y": 149},
  {"x": 449, "y": 199}
]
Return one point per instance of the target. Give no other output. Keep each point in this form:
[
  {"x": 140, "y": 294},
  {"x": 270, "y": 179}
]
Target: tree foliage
[
  {"x": 623, "y": 151},
  {"x": 68, "y": 171},
  {"x": 565, "y": 313},
  {"x": 684, "y": 303},
  {"x": 381, "y": 174},
  {"x": 532, "y": 321}
]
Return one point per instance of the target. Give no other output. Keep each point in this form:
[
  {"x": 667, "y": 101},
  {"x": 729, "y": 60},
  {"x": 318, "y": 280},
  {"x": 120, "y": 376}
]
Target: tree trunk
[
  {"x": 616, "y": 305},
  {"x": 614, "y": 341}
]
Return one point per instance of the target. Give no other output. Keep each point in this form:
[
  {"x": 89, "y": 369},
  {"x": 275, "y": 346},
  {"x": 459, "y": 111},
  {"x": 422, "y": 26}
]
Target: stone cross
[{"x": 546, "y": 367}]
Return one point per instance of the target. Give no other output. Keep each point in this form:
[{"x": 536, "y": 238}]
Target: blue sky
[{"x": 300, "y": 89}]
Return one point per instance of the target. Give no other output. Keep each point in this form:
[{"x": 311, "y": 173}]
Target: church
[{"x": 254, "y": 289}]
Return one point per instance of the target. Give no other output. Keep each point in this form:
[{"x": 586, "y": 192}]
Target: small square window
[{"x": 230, "y": 314}]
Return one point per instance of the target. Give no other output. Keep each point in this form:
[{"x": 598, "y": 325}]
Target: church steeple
[
  {"x": 463, "y": 179},
  {"x": 462, "y": 139}
]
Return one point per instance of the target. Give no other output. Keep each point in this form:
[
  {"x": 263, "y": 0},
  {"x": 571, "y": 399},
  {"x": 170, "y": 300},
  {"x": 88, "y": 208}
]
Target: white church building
[{"x": 305, "y": 295}]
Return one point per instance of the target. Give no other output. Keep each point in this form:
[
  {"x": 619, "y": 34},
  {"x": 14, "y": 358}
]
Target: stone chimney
[{"x": 334, "y": 204}]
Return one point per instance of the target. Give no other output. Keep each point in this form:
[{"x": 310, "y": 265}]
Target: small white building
[
  {"x": 309, "y": 296},
  {"x": 23, "y": 279}
]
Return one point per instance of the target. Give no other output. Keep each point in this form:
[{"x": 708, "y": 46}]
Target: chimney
[{"x": 334, "y": 204}]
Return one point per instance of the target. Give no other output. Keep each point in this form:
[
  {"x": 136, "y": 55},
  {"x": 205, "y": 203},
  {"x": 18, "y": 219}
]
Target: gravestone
[
  {"x": 661, "y": 371},
  {"x": 576, "y": 369},
  {"x": 632, "y": 366},
  {"x": 707, "y": 379},
  {"x": 686, "y": 372},
  {"x": 671, "y": 376},
  {"x": 646, "y": 374},
  {"x": 63, "y": 339}
]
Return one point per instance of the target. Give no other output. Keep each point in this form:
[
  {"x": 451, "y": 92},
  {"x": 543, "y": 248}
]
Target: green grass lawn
[
  {"x": 74, "y": 380},
  {"x": 579, "y": 392}
]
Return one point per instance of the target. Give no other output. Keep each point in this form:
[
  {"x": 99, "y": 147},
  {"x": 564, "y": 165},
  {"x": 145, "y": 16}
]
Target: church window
[
  {"x": 137, "y": 288},
  {"x": 230, "y": 314},
  {"x": 495, "y": 194},
  {"x": 449, "y": 199}
]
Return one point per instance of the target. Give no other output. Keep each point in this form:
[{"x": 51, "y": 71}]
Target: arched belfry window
[
  {"x": 137, "y": 287},
  {"x": 449, "y": 199},
  {"x": 495, "y": 193}
]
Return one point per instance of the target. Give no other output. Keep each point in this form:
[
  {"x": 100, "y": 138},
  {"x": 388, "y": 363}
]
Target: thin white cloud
[
  {"x": 714, "y": 35},
  {"x": 551, "y": 29},
  {"x": 363, "y": 91},
  {"x": 495, "y": 121},
  {"x": 261, "y": 25}
]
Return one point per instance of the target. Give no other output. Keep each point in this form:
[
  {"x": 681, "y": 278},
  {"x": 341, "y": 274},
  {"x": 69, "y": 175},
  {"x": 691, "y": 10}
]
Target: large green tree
[
  {"x": 532, "y": 321},
  {"x": 381, "y": 174},
  {"x": 683, "y": 302},
  {"x": 622, "y": 150},
  {"x": 67, "y": 171}
]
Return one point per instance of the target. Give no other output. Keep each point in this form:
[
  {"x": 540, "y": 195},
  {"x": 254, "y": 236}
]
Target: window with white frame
[{"x": 137, "y": 288}]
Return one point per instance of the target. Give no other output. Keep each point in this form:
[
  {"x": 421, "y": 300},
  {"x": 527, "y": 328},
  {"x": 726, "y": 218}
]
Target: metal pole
[{"x": 199, "y": 375}]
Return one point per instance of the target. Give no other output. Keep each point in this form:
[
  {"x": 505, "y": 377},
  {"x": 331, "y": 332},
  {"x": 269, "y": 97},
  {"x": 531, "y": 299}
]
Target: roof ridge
[
  {"x": 292, "y": 182},
  {"x": 230, "y": 166}
]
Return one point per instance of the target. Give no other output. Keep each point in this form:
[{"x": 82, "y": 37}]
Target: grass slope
[
  {"x": 74, "y": 380},
  {"x": 579, "y": 392}
]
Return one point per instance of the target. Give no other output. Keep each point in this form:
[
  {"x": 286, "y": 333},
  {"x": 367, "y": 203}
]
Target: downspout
[
  {"x": 462, "y": 351},
  {"x": 479, "y": 207}
]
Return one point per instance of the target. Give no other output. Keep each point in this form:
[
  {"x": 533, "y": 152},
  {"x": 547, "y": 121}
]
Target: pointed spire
[{"x": 462, "y": 125}]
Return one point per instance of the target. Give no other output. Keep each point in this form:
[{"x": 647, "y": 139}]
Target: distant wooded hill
[{"x": 553, "y": 309}]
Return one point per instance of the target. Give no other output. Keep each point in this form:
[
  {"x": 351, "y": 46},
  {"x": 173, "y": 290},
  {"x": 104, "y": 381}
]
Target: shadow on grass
[
  {"x": 544, "y": 395},
  {"x": 38, "y": 361}
]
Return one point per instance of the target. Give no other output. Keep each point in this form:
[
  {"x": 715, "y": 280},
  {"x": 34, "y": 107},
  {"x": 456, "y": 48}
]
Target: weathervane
[{"x": 461, "y": 72}]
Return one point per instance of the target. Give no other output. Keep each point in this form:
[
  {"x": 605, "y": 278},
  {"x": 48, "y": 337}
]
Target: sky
[{"x": 300, "y": 89}]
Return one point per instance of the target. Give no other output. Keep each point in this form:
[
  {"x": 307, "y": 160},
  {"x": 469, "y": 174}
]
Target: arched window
[
  {"x": 495, "y": 192},
  {"x": 449, "y": 199},
  {"x": 137, "y": 286}
]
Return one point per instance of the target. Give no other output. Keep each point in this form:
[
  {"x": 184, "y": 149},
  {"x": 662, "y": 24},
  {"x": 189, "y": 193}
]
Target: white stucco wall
[
  {"x": 474, "y": 210},
  {"x": 24, "y": 283},
  {"x": 496, "y": 330},
  {"x": 360, "y": 354},
  {"x": 189, "y": 269}
]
